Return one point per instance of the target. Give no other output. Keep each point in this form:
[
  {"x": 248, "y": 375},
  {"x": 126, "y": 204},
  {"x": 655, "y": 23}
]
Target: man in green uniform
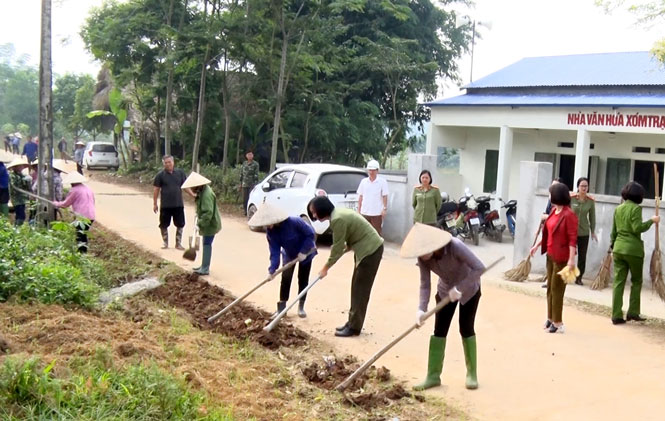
[
  {"x": 249, "y": 176},
  {"x": 628, "y": 250}
]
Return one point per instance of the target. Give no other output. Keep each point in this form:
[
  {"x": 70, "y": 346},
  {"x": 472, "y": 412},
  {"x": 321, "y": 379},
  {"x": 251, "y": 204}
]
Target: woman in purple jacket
[
  {"x": 459, "y": 273},
  {"x": 292, "y": 238}
]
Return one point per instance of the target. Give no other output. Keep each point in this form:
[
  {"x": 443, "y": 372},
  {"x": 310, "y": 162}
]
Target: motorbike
[
  {"x": 511, "y": 212},
  {"x": 460, "y": 219},
  {"x": 489, "y": 219}
]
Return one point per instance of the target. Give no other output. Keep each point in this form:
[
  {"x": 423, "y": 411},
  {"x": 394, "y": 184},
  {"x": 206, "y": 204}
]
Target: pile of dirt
[
  {"x": 376, "y": 399},
  {"x": 201, "y": 300},
  {"x": 4, "y": 346}
]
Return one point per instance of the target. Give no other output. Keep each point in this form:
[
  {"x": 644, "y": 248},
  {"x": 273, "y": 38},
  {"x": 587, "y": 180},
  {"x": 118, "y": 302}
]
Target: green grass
[{"x": 95, "y": 392}]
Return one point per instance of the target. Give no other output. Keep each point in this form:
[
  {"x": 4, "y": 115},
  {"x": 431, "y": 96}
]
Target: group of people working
[{"x": 566, "y": 230}]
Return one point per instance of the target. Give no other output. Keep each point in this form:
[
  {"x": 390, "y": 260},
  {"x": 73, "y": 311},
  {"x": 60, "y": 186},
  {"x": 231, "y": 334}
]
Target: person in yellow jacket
[{"x": 628, "y": 250}]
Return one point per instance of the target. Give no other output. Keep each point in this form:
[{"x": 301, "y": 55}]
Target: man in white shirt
[{"x": 373, "y": 196}]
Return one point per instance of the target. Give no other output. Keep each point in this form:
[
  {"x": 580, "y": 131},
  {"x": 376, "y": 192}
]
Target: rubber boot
[
  {"x": 165, "y": 237},
  {"x": 437, "y": 349},
  {"x": 471, "y": 362},
  {"x": 281, "y": 305},
  {"x": 204, "y": 269},
  {"x": 178, "y": 238},
  {"x": 301, "y": 308}
]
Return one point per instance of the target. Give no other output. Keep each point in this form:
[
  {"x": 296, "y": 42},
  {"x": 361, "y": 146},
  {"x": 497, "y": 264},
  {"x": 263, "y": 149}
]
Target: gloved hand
[
  {"x": 302, "y": 257},
  {"x": 419, "y": 317},
  {"x": 454, "y": 294}
]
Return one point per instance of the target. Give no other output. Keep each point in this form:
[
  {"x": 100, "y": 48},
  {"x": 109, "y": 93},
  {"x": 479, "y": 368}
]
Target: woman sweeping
[
  {"x": 208, "y": 220},
  {"x": 559, "y": 241},
  {"x": 628, "y": 251},
  {"x": 351, "y": 231},
  {"x": 82, "y": 200},
  {"x": 426, "y": 200},
  {"x": 459, "y": 273},
  {"x": 584, "y": 207},
  {"x": 293, "y": 238}
]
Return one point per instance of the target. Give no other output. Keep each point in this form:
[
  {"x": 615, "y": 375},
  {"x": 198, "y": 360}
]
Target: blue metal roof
[
  {"x": 535, "y": 100},
  {"x": 614, "y": 69}
]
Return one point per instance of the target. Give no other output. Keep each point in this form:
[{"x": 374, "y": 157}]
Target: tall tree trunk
[
  {"x": 227, "y": 117},
  {"x": 45, "y": 112},
  {"x": 200, "y": 110},
  {"x": 278, "y": 104},
  {"x": 158, "y": 140}
]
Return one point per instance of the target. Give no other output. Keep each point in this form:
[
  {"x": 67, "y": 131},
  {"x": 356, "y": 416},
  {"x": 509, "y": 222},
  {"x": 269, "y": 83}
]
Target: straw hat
[
  {"x": 266, "y": 215},
  {"x": 16, "y": 162},
  {"x": 79, "y": 143},
  {"x": 6, "y": 157},
  {"x": 59, "y": 164},
  {"x": 74, "y": 178},
  {"x": 424, "y": 239},
  {"x": 17, "y": 134},
  {"x": 195, "y": 179}
]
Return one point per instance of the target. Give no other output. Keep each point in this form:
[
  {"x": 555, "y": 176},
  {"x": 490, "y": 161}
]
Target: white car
[
  {"x": 100, "y": 154},
  {"x": 291, "y": 187}
]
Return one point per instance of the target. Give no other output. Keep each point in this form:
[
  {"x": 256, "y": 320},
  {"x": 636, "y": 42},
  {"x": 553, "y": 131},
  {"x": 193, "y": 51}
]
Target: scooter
[
  {"x": 468, "y": 221},
  {"x": 446, "y": 218},
  {"x": 489, "y": 219},
  {"x": 511, "y": 212}
]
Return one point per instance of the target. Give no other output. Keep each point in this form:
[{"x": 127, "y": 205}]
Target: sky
[{"x": 508, "y": 30}]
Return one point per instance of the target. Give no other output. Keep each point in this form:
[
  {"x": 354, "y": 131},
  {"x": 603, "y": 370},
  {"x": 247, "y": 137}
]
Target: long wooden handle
[
  {"x": 276, "y": 320},
  {"x": 259, "y": 285},
  {"x": 34, "y": 196},
  {"x": 444, "y": 301},
  {"x": 540, "y": 227},
  {"x": 657, "y": 197}
]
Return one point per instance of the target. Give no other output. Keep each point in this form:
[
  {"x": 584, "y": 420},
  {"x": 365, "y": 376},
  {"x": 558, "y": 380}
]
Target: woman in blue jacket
[{"x": 292, "y": 238}]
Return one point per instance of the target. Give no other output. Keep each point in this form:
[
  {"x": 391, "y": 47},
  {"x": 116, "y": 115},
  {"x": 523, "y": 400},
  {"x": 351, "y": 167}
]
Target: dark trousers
[
  {"x": 82, "y": 236},
  {"x": 376, "y": 221},
  {"x": 467, "y": 317},
  {"x": 303, "y": 279},
  {"x": 582, "y": 247},
  {"x": 19, "y": 214},
  {"x": 556, "y": 288},
  {"x": 79, "y": 168},
  {"x": 362, "y": 281},
  {"x": 166, "y": 214},
  {"x": 245, "y": 198}
]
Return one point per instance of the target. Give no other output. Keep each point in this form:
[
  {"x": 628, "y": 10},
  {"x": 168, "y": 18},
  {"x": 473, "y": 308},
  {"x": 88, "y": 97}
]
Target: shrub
[{"x": 43, "y": 265}]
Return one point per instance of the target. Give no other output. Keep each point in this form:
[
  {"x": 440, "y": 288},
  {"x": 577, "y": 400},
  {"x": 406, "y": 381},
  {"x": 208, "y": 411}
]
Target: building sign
[{"x": 616, "y": 120}]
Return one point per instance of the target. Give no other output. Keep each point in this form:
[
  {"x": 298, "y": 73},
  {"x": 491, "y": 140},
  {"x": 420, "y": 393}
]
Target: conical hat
[
  {"x": 59, "y": 164},
  {"x": 266, "y": 215},
  {"x": 424, "y": 239},
  {"x": 6, "y": 157},
  {"x": 16, "y": 162},
  {"x": 79, "y": 143},
  {"x": 17, "y": 134},
  {"x": 195, "y": 179},
  {"x": 73, "y": 178}
]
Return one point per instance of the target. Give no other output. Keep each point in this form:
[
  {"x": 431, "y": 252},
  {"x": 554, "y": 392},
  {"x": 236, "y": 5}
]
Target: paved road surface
[{"x": 593, "y": 371}]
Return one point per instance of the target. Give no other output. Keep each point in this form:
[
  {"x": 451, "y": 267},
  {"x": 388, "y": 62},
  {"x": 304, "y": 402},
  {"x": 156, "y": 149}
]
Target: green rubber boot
[
  {"x": 471, "y": 362},
  {"x": 204, "y": 269},
  {"x": 437, "y": 348}
]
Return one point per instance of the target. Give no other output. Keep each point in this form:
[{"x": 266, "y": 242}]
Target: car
[
  {"x": 291, "y": 187},
  {"x": 100, "y": 155}
]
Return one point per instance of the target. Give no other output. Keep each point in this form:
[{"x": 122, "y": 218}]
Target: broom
[
  {"x": 190, "y": 253},
  {"x": 520, "y": 273},
  {"x": 602, "y": 279},
  {"x": 656, "y": 268}
]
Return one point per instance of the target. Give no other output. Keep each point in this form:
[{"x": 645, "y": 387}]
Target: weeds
[{"x": 96, "y": 392}]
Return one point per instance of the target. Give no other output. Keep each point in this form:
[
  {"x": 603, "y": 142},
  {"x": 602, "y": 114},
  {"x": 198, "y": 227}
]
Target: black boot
[
  {"x": 301, "y": 308},
  {"x": 281, "y": 305}
]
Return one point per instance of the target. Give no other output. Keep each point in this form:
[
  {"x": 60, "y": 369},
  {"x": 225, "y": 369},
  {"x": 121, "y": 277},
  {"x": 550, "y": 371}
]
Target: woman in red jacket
[{"x": 559, "y": 241}]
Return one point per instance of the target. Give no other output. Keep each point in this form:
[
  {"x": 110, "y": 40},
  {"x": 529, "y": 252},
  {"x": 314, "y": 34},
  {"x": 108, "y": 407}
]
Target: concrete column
[
  {"x": 505, "y": 152},
  {"x": 581, "y": 154}
]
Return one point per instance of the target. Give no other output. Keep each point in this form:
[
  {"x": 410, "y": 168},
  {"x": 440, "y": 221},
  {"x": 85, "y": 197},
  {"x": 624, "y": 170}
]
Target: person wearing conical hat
[
  {"x": 293, "y": 238},
  {"x": 79, "y": 148},
  {"x": 459, "y": 273},
  {"x": 351, "y": 231},
  {"x": 19, "y": 180},
  {"x": 82, "y": 200},
  {"x": 209, "y": 221},
  {"x": 4, "y": 183}
]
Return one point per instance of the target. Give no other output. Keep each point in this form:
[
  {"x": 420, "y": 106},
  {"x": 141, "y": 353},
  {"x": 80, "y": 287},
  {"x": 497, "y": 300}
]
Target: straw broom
[
  {"x": 656, "y": 268},
  {"x": 520, "y": 273},
  {"x": 602, "y": 279}
]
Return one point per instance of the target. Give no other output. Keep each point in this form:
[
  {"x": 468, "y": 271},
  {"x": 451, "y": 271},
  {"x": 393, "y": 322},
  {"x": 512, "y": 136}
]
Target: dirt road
[{"x": 593, "y": 371}]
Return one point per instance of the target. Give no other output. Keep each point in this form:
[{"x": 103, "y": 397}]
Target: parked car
[
  {"x": 100, "y": 155},
  {"x": 291, "y": 187}
]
